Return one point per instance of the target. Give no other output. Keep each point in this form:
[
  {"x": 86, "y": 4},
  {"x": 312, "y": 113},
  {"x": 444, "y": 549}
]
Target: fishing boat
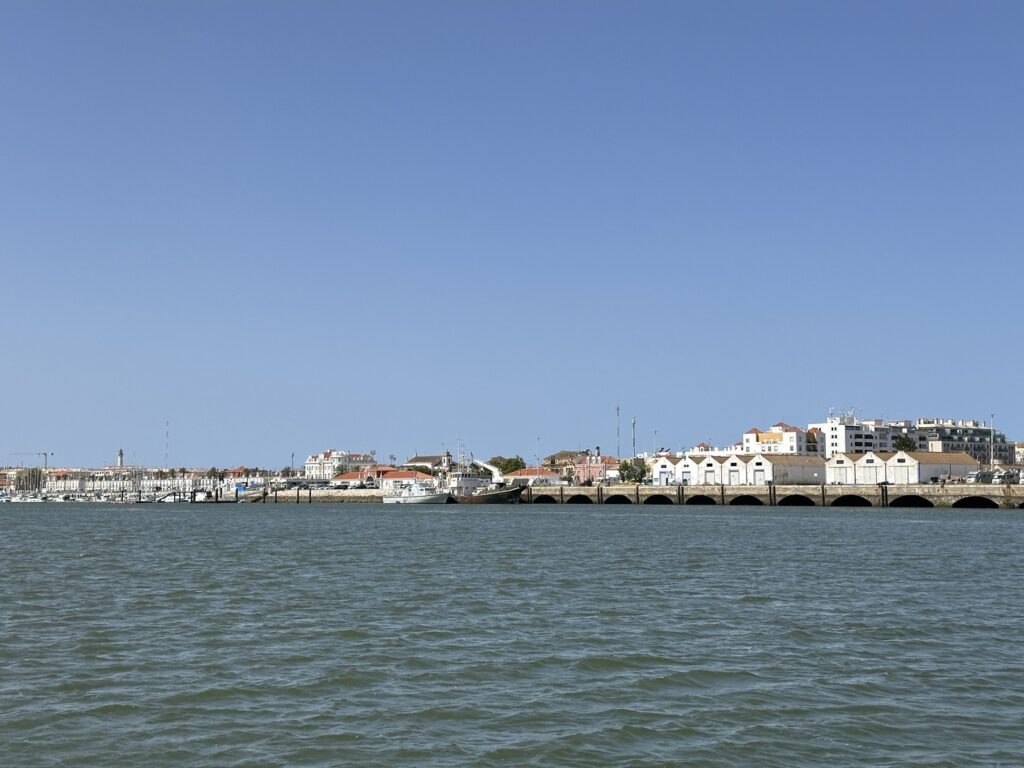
[
  {"x": 416, "y": 493},
  {"x": 467, "y": 485},
  {"x": 496, "y": 495}
]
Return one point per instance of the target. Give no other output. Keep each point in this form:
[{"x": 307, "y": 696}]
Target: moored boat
[
  {"x": 507, "y": 495},
  {"x": 416, "y": 493}
]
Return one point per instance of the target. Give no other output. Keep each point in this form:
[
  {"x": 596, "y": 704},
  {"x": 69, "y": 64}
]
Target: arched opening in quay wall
[
  {"x": 579, "y": 498},
  {"x": 850, "y": 501},
  {"x": 618, "y": 499},
  {"x": 545, "y": 499},
  {"x": 657, "y": 499},
  {"x": 911, "y": 501},
  {"x": 975, "y": 502},
  {"x": 746, "y": 501},
  {"x": 796, "y": 501},
  {"x": 700, "y": 499}
]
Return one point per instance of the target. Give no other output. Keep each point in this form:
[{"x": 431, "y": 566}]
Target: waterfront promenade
[{"x": 922, "y": 496}]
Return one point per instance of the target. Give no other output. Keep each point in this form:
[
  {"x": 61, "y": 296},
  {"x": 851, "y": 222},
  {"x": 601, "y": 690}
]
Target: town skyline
[{"x": 623, "y": 447}]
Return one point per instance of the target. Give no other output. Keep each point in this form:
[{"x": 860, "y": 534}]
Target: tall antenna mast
[
  {"x": 634, "y": 437},
  {"x": 618, "y": 437},
  {"x": 167, "y": 441}
]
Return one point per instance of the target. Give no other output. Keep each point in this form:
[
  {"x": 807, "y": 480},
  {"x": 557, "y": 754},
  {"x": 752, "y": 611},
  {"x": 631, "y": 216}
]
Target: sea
[{"x": 337, "y": 635}]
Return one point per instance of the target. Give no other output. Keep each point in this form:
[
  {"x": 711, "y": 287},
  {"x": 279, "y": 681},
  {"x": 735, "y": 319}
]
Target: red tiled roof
[
  {"x": 787, "y": 427},
  {"x": 406, "y": 474},
  {"x": 532, "y": 472}
]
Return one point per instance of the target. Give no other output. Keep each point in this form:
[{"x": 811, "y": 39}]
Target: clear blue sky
[{"x": 298, "y": 225}]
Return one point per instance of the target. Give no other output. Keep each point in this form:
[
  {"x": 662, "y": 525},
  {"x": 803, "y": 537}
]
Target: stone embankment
[
  {"x": 315, "y": 495},
  {"x": 959, "y": 496}
]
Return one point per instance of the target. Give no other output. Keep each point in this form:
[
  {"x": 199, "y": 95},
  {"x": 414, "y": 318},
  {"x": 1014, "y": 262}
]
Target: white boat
[{"x": 416, "y": 493}]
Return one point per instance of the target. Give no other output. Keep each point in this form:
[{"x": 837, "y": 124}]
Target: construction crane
[{"x": 45, "y": 454}]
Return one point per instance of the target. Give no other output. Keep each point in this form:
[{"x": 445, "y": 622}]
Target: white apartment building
[
  {"x": 779, "y": 438},
  {"x": 976, "y": 438},
  {"x": 847, "y": 434},
  {"x": 325, "y": 465}
]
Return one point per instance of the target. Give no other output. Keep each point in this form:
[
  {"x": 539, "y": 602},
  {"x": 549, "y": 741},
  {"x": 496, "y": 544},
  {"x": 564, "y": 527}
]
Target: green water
[{"x": 281, "y": 635}]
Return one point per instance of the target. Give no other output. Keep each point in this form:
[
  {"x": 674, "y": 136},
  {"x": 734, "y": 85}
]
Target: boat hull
[
  {"x": 430, "y": 498},
  {"x": 500, "y": 496}
]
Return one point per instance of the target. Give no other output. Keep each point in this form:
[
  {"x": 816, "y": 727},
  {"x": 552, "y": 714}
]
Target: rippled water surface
[{"x": 265, "y": 635}]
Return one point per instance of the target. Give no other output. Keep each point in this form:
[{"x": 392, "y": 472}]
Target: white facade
[
  {"x": 844, "y": 434},
  {"x": 896, "y": 468},
  {"x": 325, "y": 465},
  {"x": 392, "y": 481},
  {"x": 923, "y": 467},
  {"x": 787, "y": 470},
  {"x": 708, "y": 471},
  {"x": 739, "y": 469},
  {"x": 780, "y": 438},
  {"x": 663, "y": 470},
  {"x": 870, "y": 468},
  {"x": 840, "y": 469},
  {"x": 734, "y": 469}
]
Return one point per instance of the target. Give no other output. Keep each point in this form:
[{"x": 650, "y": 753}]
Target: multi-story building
[
  {"x": 595, "y": 468},
  {"x": 846, "y": 434},
  {"x": 979, "y": 440},
  {"x": 325, "y": 465},
  {"x": 779, "y": 438}
]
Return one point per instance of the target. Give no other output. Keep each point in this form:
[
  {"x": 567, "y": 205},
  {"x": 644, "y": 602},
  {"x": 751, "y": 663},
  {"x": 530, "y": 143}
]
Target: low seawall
[{"x": 923, "y": 496}]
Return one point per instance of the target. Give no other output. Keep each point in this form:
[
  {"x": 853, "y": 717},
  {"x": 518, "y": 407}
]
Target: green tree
[
  {"x": 632, "y": 471},
  {"x": 904, "y": 443},
  {"x": 508, "y": 465}
]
